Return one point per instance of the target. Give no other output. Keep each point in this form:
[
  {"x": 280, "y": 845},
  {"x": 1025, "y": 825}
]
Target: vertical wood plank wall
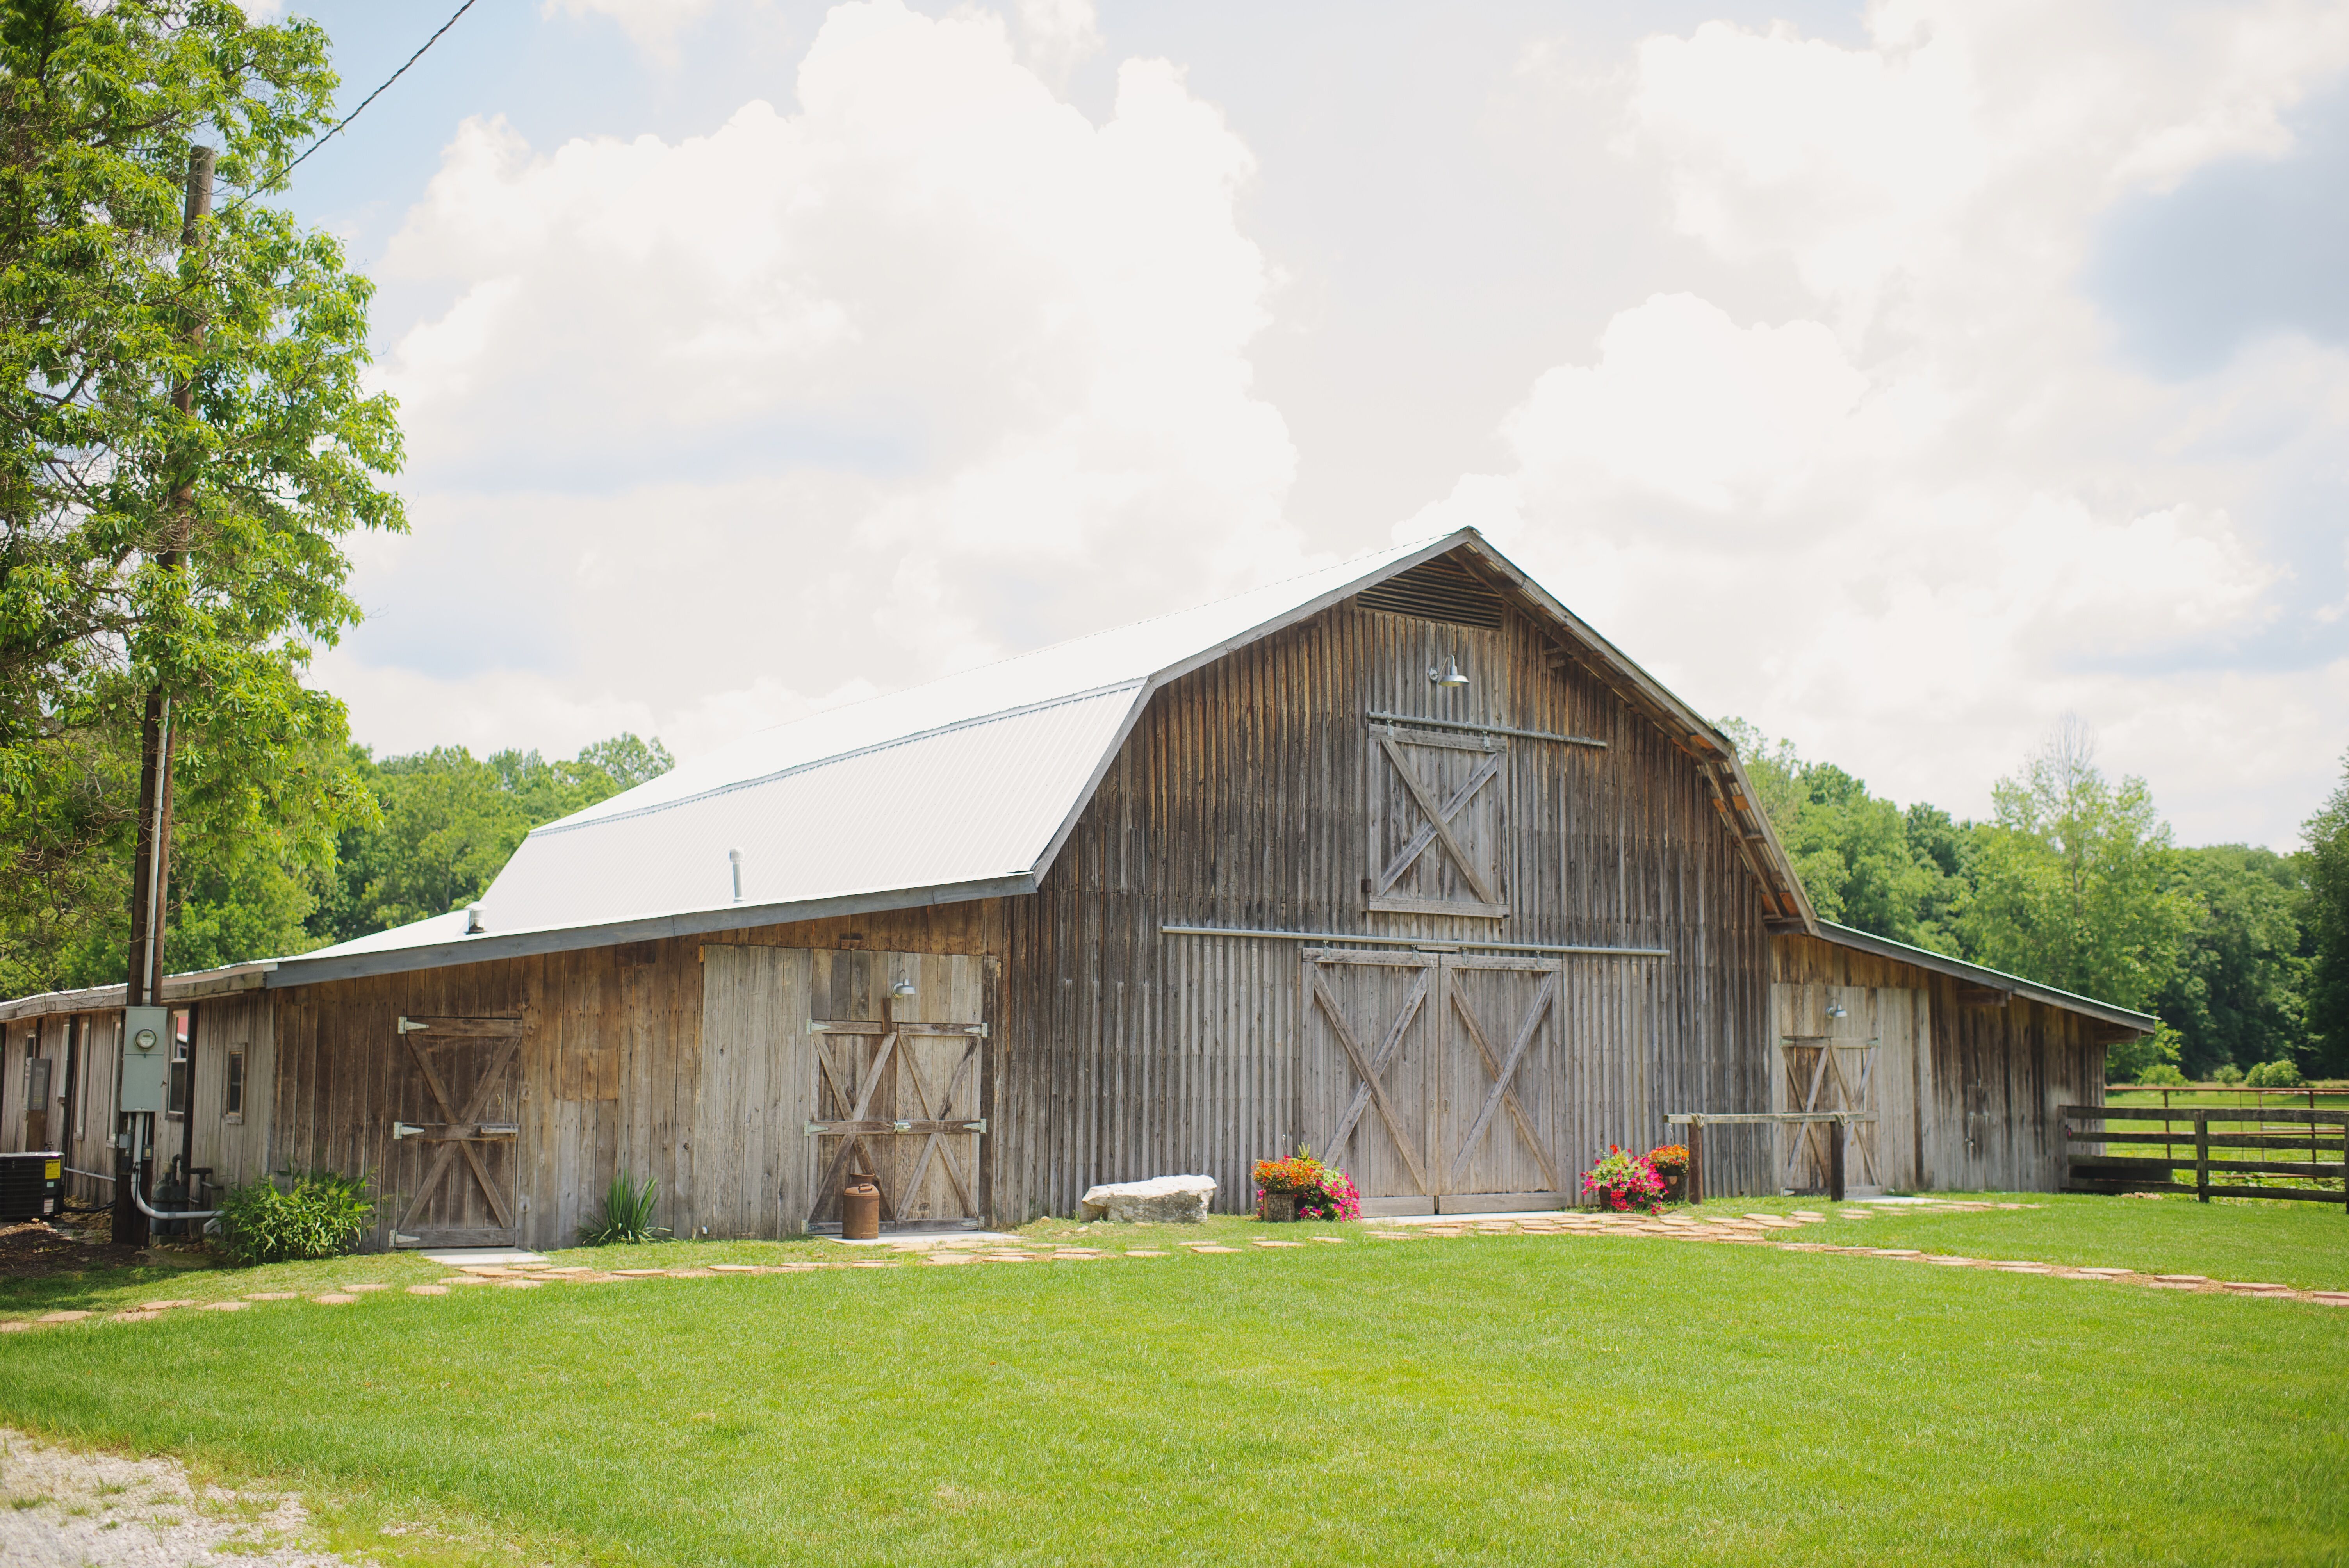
[
  {"x": 1989, "y": 1079},
  {"x": 1242, "y": 798}
]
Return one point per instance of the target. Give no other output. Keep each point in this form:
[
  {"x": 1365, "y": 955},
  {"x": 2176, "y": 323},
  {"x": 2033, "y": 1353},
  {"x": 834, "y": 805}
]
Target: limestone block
[{"x": 1162, "y": 1200}]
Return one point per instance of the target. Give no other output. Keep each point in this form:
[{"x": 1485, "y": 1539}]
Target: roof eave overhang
[
  {"x": 193, "y": 987},
  {"x": 491, "y": 945},
  {"x": 1991, "y": 979}
]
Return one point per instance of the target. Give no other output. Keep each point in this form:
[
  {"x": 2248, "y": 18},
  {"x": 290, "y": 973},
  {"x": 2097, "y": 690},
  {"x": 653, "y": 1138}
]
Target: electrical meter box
[{"x": 146, "y": 1058}]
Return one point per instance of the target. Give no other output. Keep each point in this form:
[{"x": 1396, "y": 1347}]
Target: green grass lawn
[{"x": 1487, "y": 1399}]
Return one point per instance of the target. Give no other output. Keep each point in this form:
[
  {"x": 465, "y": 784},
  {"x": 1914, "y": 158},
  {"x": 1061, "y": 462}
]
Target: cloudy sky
[{"x": 1897, "y": 377}]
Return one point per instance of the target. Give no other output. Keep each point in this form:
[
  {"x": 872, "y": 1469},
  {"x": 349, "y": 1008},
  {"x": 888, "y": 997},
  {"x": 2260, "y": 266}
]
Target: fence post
[
  {"x": 1696, "y": 1160},
  {"x": 2202, "y": 1155},
  {"x": 1835, "y": 1160}
]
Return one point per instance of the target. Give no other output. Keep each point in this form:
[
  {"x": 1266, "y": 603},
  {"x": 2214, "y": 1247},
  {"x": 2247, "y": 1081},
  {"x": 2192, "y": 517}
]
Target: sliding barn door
[
  {"x": 1501, "y": 1064},
  {"x": 1368, "y": 1084}
]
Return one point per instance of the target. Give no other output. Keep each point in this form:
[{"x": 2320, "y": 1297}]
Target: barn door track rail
[
  {"x": 1408, "y": 722},
  {"x": 1422, "y": 944},
  {"x": 2247, "y": 1131}
]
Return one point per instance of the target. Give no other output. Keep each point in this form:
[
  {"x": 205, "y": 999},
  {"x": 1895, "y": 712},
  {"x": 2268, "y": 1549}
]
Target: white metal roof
[{"x": 962, "y": 786}]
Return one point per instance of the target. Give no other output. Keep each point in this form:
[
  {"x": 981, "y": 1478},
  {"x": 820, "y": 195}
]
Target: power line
[{"x": 378, "y": 92}]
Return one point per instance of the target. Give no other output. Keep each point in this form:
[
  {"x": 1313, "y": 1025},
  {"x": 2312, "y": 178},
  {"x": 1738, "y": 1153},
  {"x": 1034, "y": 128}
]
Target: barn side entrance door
[
  {"x": 894, "y": 1060},
  {"x": 455, "y": 1123},
  {"x": 1430, "y": 1078},
  {"x": 1831, "y": 1071}
]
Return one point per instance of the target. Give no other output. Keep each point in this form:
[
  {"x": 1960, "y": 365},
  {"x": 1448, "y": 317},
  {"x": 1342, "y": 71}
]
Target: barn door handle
[{"x": 400, "y": 1129}]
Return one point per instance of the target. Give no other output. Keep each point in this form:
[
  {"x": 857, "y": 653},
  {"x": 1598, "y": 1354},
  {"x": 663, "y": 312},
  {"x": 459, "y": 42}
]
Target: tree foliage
[
  {"x": 2073, "y": 884},
  {"x": 145, "y": 544},
  {"x": 447, "y": 822},
  {"x": 2074, "y": 881},
  {"x": 2324, "y": 914}
]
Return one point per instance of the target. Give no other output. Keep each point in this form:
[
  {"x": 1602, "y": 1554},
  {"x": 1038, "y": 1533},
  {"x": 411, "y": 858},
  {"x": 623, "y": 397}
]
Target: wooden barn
[{"x": 1399, "y": 860}]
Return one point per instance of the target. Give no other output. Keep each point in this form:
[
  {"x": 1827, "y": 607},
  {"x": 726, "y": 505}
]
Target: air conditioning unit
[{"x": 32, "y": 1186}]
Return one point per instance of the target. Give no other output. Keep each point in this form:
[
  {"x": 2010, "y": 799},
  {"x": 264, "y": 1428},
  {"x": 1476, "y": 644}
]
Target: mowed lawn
[{"x": 1483, "y": 1399}]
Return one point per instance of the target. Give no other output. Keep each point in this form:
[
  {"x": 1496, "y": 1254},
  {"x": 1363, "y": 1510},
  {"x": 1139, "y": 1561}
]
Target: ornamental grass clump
[
  {"x": 314, "y": 1215},
  {"x": 627, "y": 1214},
  {"x": 1625, "y": 1182},
  {"x": 1322, "y": 1191}
]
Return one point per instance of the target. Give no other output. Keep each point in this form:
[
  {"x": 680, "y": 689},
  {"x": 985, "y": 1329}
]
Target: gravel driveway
[{"x": 63, "y": 1509}]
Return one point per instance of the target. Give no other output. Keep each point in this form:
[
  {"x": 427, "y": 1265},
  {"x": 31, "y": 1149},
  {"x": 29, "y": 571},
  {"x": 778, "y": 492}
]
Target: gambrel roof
[{"x": 964, "y": 787}]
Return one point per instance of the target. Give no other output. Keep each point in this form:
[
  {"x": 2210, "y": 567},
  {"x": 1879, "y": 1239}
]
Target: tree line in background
[
  {"x": 413, "y": 836},
  {"x": 2074, "y": 881}
]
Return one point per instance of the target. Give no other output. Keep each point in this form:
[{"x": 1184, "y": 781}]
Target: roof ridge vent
[{"x": 1438, "y": 590}]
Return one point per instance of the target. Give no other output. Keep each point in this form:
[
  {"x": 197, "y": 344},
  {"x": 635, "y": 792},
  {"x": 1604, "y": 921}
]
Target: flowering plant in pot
[
  {"x": 1303, "y": 1187},
  {"x": 1625, "y": 1182},
  {"x": 1671, "y": 1162}
]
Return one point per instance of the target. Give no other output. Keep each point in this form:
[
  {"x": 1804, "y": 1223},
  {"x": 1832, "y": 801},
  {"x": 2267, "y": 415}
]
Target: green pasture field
[
  {"x": 2317, "y": 1097},
  {"x": 1482, "y": 1399}
]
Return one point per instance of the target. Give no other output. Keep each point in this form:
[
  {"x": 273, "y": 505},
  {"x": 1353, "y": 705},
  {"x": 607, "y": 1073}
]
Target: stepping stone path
[{"x": 1749, "y": 1230}]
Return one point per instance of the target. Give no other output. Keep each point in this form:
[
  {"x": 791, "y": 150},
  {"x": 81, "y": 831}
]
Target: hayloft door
[
  {"x": 1438, "y": 823},
  {"x": 1369, "y": 1090},
  {"x": 455, "y": 1123},
  {"x": 895, "y": 1058}
]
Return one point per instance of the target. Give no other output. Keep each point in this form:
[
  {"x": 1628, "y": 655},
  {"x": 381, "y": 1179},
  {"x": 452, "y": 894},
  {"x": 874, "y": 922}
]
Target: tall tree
[
  {"x": 2325, "y": 916},
  {"x": 2235, "y": 994},
  {"x": 184, "y": 443},
  {"x": 2073, "y": 881}
]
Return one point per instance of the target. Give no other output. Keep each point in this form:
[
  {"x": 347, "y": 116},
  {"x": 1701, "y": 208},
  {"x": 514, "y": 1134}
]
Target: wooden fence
[
  {"x": 1696, "y": 1121},
  {"x": 2214, "y": 1140}
]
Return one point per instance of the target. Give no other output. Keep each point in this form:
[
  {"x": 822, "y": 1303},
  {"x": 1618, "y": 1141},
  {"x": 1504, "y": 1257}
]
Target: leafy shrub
[
  {"x": 2284, "y": 1074},
  {"x": 1625, "y": 1182},
  {"x": 314, "y": 1214},
  {"x": 2227, "y": 1072},
  {"x": 2163, "y": 1074},
  {"x": 1323, "y": 1191},
  {"x": 627, "y": 1214}
]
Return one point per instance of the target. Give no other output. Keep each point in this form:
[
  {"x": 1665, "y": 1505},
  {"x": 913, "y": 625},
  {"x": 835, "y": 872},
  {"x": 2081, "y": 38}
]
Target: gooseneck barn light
[{"x": 1449, "y": 676}]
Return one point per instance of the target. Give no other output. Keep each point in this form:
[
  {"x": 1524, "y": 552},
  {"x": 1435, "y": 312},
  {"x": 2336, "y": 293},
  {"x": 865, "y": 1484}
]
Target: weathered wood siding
[
  {"x": 1244, "y": 797},
  {"x": 613, "y": 1071},
  {"x": 1989, "y": 1079}
]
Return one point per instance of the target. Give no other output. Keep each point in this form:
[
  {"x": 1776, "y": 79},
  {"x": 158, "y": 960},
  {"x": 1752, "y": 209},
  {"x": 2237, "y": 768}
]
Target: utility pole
[{"x": 151, "y": 875}]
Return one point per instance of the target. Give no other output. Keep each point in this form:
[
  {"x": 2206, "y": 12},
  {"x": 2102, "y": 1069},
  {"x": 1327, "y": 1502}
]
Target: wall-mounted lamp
[
  {"x": 901, "y": 989},
  {"x": 1449, "y": 676},
  {"x": 1838, "y": 1010}
]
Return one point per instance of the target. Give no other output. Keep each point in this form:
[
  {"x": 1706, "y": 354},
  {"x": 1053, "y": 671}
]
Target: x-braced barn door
[
  {"x": 1438, "y": 821},
  {"x": 1828, "y": 1072},
  {"x": 1432, "y": 1078},
  {"x": 899, "y": 1099},
  {"x": 454, "y": 1132}
]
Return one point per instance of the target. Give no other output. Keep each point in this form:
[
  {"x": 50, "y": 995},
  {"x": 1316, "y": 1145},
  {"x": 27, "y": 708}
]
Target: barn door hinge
[
  {"x": 400, "y": 1241},
  {"x": 978, "y": 1031},
  {"x": 978, "y": 1126},
  {"x": 400, "y": 1129},
  {"x": 410, "y": 1026}
]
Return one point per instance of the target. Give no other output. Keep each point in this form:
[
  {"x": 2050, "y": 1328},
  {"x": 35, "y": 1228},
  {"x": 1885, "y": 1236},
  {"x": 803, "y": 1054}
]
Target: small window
[
  {"x": 176, "y": 1103},
  {"x": 232, "y": 1100}
]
